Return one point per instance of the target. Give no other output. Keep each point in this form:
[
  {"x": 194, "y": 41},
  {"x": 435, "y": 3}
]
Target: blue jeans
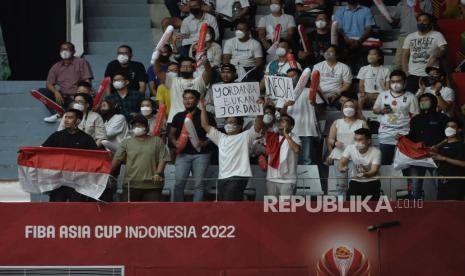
[
  {"x": 387, "y": 153},
  {"x": 185, "y": 163},
  {"x": 304, "y": 155},
  {"x": 417, "y": 184}
]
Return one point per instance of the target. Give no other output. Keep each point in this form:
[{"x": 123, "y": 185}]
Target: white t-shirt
[
  {"x": 345, "y": 134},
  {"x": 421, "y": 49},
  {"x": 177, "y": 85},
  {"x": 304, "y": 116},
  {"x": 375, "y": 78},
  {"x": 287, "y": 170},
  {"x": 404, "y": 107},
  {"x": 225, "y": 6},
  {"x": 332, "y": 78},
  {"x": 233, "y": 152},
  {"x": 269, "y": 22},
  {"x": 243, "y": 53},
  {"x": 362, "y": 162},
  {"x": 191, "y": 26}
]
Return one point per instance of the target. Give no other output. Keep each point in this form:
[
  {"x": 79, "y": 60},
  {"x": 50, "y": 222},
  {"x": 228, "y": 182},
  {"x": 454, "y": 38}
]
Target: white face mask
[
  {"x": 139, "y": 131},
  {"x": 172, "y": 74},
  {"x": 348, "y": 111},
  {"x": 449, "y": 132},
  {"x": 267, "y": 119},
  {"x": 280, "y": 52},
  {"x": 240, "y": 34},
  {"x": 65, "y": 54},
  {"x": 275, "y": 8},
  {"x": 79, "y": 106},
  {"x": 122, "y": 59},
  {"x": 360, "y": 146},
  {"x": 397, "y": 87},
  {"x": 118, "y": 84},
  {"x": 145, "y": 110},
  {"x": 208, "y": 37},
  {"x": 229, "y": 128},
  {"x": 320, "y": 24}
]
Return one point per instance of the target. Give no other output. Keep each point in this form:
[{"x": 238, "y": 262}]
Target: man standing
[
  {"x": 70, "y": 137},
  {"x": 134, "y": 70},
  {"x": 283, "y": 150},
  {"x": 186, "y": 80},
  {"x": 233, "y": 147},
  {"x": 244, "y": 52},
  {"x": 367, "y": 161},
  {"x": 422, "y": 49},
  {"x": 66, "y": 74},
  {"x": 145, "y": 158},
  {"x": 451, "y": 162},
  {"x": 396, "y": 107},
  {"x": 193, "y": 158}
]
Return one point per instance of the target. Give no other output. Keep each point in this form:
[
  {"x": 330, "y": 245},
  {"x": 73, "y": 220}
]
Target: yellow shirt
[{"x": 163, "y": 96}]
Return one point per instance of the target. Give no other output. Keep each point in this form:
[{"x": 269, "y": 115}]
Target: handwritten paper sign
[
  {"x": 280, "y": 89},
  {"x": 236, "y": 99}
]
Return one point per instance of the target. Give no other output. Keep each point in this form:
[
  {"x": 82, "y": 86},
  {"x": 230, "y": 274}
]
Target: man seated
[
  {"x": 320, "y": 40},
  {"x": 228, "y": 11},
  {"x": 190, "y": 26},
  {"x": 266, "y": 25},
  {"x": 92, "y": 122},
  {"x": 280, "y": 65},
  {"x": 127, "y": 99},
  {"x": 65, "y": 74},
  {"x": 244, "y": 52},
  {"x": 133, "y": 69},
  {"x": 355, "y": 24},
  {"x": 335, "y": 77},
  {"x": 179, "y": 9}
]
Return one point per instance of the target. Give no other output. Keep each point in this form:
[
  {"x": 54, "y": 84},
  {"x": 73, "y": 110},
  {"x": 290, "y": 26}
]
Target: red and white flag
[
  {"x": 409, "y": 153},
  {"x": 43, "y": 169}
]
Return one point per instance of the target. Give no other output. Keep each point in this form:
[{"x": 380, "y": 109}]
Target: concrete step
[
  {"x": 158, "y": 11},
  {"x": 114, "y": 34},
  {"x": 95, "y": 9},
  {"x": 120, "y": 22}
]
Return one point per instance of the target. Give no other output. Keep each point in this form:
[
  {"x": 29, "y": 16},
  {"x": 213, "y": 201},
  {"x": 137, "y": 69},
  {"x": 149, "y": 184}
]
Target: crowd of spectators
[{"x": 411, "y": 98}]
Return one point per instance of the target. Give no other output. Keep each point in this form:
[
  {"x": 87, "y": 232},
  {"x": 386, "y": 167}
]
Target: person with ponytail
[{"x": 341, "y": 135}]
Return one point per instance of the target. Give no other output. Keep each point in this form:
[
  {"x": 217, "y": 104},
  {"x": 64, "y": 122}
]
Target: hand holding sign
[
  {"x": 237, "y": 99},
  {"x": 279, "y": 88}
]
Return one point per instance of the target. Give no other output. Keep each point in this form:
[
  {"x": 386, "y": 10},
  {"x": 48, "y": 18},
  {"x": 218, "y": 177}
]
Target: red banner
[{"x": 232, "y": 238}]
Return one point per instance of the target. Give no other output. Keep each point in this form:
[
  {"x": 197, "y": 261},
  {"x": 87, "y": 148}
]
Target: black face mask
[
  {"x": 196, "y": 11},
  {"x": 107, "y": 114},
  {"x": 190, "y": 109},
  {"x": 164, "y": 59},
  {"x": 186, "y": 75},
  {"x": 433, "y": 80}
]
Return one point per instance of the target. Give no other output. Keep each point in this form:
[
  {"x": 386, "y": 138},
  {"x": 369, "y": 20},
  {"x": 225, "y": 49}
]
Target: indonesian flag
[
  {"x": 43, "y": 169},
  {"x": 409, "y": 153}
]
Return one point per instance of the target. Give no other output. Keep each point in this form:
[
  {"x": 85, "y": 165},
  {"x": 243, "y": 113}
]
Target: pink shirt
[{"x": 67, "y": 76}]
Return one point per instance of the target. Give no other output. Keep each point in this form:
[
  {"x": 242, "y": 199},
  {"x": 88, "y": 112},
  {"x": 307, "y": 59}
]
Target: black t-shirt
[
  {"x": 178, "y": 122},
  {"x": 64, "y": 139},
  {"x": 320, "y": 43},
  {"x": 455, "y": 150},
  {"x": 428, "y": 128},
  {"x": 135, "y": 72}
]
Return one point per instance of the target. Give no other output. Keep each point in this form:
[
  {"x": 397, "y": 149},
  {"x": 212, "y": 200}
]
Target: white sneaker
[{"x": 52, "y": 119}]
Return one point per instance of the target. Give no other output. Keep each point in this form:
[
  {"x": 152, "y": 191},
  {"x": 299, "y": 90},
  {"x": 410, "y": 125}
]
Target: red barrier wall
[{"x": 429, "y": 241}]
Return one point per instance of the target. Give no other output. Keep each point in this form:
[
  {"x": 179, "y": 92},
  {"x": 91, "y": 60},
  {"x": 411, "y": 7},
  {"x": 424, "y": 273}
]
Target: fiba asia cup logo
[{"x": 343, "y": 261}]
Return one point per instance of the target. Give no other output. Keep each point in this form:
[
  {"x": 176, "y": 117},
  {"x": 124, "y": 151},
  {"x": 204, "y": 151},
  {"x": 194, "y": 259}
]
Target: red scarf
[{"x": 273, "y": 149}]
